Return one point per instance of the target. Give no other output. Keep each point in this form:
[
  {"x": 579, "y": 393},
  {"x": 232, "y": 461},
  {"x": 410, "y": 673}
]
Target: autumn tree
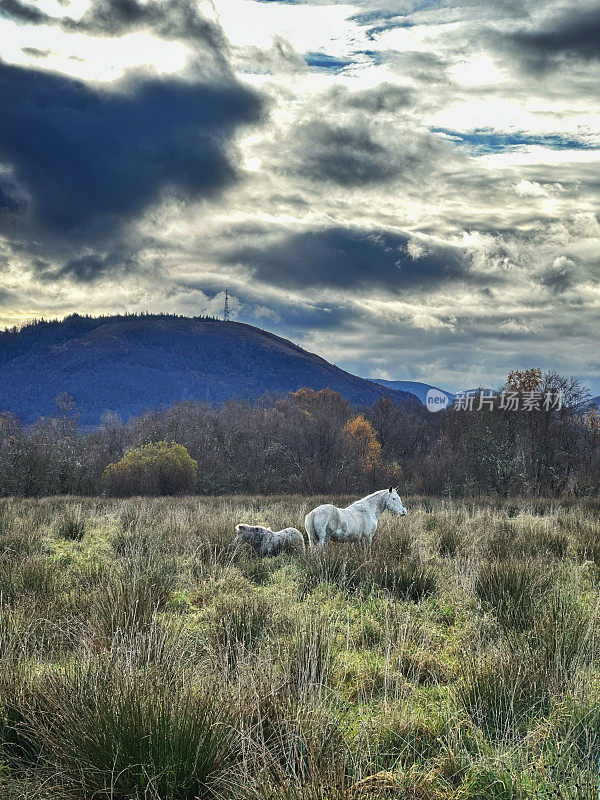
[
  {"x": 312, "y": 427},
  {"x": 524, "y": 380},
  {"x": 361, "y": 437}
]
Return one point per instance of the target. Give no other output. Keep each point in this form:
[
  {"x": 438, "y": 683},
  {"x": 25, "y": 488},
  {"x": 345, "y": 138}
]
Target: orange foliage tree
[
  {"x": 524, "y": 380},
  {"x": 361, "y": 435}
]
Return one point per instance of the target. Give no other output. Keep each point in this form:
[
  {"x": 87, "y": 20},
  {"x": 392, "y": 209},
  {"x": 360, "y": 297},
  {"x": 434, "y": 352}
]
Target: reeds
[{"x": 148, "y": 659}]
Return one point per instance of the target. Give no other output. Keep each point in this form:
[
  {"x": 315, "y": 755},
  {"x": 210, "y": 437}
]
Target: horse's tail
[
  {"x": 312, "y": 529},
  {"x": 309, "y": 524}
]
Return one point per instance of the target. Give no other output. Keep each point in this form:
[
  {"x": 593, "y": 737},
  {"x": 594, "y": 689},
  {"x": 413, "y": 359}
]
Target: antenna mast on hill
[{"x": 226, "y": 309}]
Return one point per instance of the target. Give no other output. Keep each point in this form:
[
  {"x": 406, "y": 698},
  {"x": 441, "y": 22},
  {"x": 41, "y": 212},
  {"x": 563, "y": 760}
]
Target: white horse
[{"x": 356, "y": 523}]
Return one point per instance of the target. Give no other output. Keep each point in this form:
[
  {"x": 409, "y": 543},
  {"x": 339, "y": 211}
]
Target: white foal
[{"x": 266, "y": 542}]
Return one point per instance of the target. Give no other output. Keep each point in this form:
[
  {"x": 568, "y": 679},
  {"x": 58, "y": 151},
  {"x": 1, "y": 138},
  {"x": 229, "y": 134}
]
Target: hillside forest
[{"x": 314, "y": 442}]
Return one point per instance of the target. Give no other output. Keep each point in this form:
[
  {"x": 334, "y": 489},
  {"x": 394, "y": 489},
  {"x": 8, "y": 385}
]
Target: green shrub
[{"x": 161, "y": 468}]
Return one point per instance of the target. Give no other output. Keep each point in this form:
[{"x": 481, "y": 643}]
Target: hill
[
  {"x": 417, "y": 388},
  {"x": 129, "y": 364}
]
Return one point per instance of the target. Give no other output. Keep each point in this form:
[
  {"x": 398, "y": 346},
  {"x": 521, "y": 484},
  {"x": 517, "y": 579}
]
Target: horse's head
[{"x": 394, "y": 503}]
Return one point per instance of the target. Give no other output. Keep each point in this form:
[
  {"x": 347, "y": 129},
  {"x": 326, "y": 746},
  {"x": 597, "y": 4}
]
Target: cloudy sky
[{"x": 407, "y": 187}]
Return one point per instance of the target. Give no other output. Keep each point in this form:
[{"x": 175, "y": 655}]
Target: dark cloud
[
  {"x": 23, "y": 12},
  {"x": 169, "y": 19},
  {"x": 349, "y": 258},
  {"x": 560, "y": 276},
  {"x": 348, "y": 156},
  {"x": 91, "y": 158},
  {"x": 9, "y": 198},
  {"x": 383, "y": 98},
  {"x": 284, "y": 315},
  {"x": 34, "y": 52},
  {"x": 424, "y": 68},
  {"x": 355, "y": 153},
  {"x": 574, "y": 33},
  {"x": 280, "y": 57},
  {"x": 91, "y": 267}
]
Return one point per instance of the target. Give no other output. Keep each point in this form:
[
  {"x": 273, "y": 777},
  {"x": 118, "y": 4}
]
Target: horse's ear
[{"x": 390, "y": 490}]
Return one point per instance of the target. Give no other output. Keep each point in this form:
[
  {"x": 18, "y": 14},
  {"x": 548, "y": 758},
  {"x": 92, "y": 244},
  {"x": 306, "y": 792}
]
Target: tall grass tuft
[
  {"x": 503, "y": 694},
  {"x": 238, "y": 625},
  {"x": 512, "y": 589},
  {"x": 106, "y": 732},
  {"x": 307, "y": 658},
  {"x": 33, "y": 579},
  {"x": 332, "y": 566},
  {"x": 126, "y": 601},
  {"x": 408, "y": 580},
  {"x": 357, "y": 571},
  {"x": 71, "y": 525}
]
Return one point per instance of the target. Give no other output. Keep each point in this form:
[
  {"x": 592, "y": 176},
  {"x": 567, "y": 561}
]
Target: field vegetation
[{"x": 142, "y": 656}]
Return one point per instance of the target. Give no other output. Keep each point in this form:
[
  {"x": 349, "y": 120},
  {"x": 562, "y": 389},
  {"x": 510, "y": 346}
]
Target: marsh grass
[
  {"x": 143, "y": 657},
  {"x": 71, "y": 525},
  {"x": 237, "y": 626},
  {"x": 122, "y": 734},
  {"x": 503, "y": 694},
  {"x": 513, "y": 590},
  {"x": 360, "y": 571}
]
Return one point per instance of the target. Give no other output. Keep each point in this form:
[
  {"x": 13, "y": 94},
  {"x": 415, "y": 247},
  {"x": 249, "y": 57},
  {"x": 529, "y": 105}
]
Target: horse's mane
[{"x": 369, "y": 496}]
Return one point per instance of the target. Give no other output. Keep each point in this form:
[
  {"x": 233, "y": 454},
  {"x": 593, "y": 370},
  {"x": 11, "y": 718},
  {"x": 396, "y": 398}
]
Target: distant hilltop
[
  {"x": 131, "y": 364},
  {"x": 417, "y": 388}
]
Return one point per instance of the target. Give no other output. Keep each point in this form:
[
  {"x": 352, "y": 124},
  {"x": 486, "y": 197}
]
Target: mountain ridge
[
  {"x": 418, "y": 388},
  {"x": 130, "y": 364}
]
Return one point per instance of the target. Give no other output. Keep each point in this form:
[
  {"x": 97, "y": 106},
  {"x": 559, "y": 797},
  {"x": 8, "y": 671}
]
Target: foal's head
[
  {"x": 252, "y": 534},
  {"x": 394, "y": 503}
]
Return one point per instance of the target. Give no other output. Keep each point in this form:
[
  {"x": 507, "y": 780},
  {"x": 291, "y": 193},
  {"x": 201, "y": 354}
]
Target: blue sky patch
[
  {"x": 322, "y": 61},
  {"x": 482, "y": 141}
]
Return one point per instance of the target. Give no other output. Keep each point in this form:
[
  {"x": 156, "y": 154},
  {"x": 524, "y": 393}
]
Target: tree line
[{"x": 313, "y": 442}]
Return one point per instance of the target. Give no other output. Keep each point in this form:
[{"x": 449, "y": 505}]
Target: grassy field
[{"x": 142, "y": 657}]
